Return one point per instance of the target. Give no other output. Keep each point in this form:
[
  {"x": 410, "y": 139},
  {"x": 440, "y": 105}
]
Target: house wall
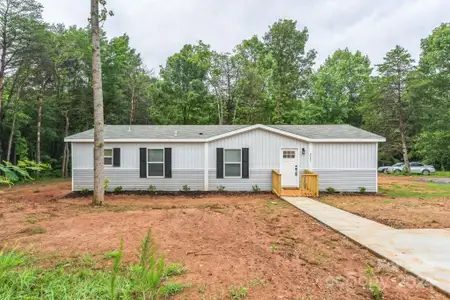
[
  {"x": 264, "y": 156},
  {"x": 187, "y": 167},
  {"x": 343, "y": 166},
  {"x": 346, "y": 166}
]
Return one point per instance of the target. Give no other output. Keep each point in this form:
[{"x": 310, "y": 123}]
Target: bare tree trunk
[
  {"x": 11, "y": 135},
  {"x": 403, "y": 144},
  {"x": 39, "y": 121},
  {"x": 99, "y": 189},
  {"x": 65, "y": 162},
  {"x": 133, "y": 104}
]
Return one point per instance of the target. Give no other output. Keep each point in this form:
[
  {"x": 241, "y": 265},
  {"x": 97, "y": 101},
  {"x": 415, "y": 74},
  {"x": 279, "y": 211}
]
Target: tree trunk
[
  {"x": 403, "y": 144},
  {"x": 39, "y": 121},
  {"x": 11, "y": 135},
  {"x": 65, "y": 162},
  {"x": 99, "y": 189},
  {"x": 133, "y": 105}
]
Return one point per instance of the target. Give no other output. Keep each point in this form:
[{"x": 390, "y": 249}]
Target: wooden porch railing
[
  {"x": 276, "y": 183},
  {"x": 310, "y": 182}
]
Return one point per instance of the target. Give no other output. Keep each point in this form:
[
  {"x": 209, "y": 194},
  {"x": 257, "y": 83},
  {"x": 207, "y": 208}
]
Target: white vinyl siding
[
  {"x": 264, "y": 148},
  {"x": 184, "y": 155},
  {"x": 345, "y": 156}
]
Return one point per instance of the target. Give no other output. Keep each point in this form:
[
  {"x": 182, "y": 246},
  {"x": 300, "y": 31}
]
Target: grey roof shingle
[
  {"x": 191, "y": 132},
  {"x": 340, "y": 131}
]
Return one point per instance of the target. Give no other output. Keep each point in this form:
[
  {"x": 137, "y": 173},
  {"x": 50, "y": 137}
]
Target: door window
[{"x": 288, "y": 154}]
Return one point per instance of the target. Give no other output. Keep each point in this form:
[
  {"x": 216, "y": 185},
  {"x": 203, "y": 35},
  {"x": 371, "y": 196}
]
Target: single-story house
[{"x": 229, "y": 157}]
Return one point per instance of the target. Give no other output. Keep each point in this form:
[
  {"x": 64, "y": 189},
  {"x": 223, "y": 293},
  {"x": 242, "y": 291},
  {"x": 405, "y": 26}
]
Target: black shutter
[
  {"x": 245, "y": 163},
  {"x": 168, "y": 162},
  {"x": 143, "y": 162},
  {"x": 219, "y": 161},
  {"x": 116, "y": 157}
]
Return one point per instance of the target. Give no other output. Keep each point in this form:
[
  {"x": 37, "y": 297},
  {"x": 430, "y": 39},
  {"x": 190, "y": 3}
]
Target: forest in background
[{"x": 46, "y": 87}]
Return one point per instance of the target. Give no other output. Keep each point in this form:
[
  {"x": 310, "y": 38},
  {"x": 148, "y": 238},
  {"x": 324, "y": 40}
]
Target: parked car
[
  {"x": 387, "y": 169},
  {"x": 416, "y": 168}
]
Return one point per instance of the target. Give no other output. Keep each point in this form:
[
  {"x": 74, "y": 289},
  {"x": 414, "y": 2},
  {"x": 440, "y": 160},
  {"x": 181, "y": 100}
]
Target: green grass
[
  {"x": 175, "y": 269},
  {"x": 417, "y": 190},
  {"x": 20, "y": 278},
  {"x": 237, "y": 292},
  {"x": 441, "y": 174},
  {"x": 34, "y": 230}
]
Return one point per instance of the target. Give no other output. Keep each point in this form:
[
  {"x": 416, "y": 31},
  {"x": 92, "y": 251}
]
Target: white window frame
[
  {"x": 163, "y": 163},
  {"x": 233, "y": 163},
  {"x": 112, "y": 157}
]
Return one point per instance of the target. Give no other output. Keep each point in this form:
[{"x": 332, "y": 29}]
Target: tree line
[{"x": 46, "y": 87}]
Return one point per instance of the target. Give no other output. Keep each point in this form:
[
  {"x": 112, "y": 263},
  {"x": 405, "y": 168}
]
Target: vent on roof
[
  {"x": 175, "y": 133},
  {"x": 129, "y": 128},
  {"x": 200, "y": 133}
]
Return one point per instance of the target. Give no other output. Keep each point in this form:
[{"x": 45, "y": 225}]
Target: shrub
[
  {"x": 237, "y": 293},
  {"x": 84, "y": 191},
  {"x": 106, "y": 183},
  {"x": 362, "y": 189},
  {"x": 185, "y": 188},
  {"x": 20, "y": 172},
  {"x": 118, "y": 189},
  {"x": 152, "y": 188},
  {"x": 375, "y": 290},
  {"x": 220, "y": 188},
  {"x": 256, "y": 188},
  {"x": 331, "y": 190}
]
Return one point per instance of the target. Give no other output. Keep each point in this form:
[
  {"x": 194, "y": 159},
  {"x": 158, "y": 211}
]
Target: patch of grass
[
  {"x": 273, "y": 246},
  {"x": 416, "y": 190},
  {"x": 201, "y": 289},
  {"x": 388, "y": 201},
  {"x": 20, "y": 206},
  {"x": 256, "y": 282},
  {"x": 172, "y": 288},
  {"x": 34, "y": 230},
  {"x": 21, "y": 279},
  {"x": 375, "y": 290},
  {"x": 175, "y": 269},
  {"x": 31, "y": 220},
  {"x": 237, "y": 292},
  {"x": 441, "y": 174}
]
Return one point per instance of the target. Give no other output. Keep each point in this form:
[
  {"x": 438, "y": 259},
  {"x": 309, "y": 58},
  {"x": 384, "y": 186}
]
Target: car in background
[
  {"x": 416, "y": 168},
  {"x": 388, "y": 169}
]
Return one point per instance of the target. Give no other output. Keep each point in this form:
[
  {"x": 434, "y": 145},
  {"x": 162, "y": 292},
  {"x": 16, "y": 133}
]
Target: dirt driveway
[
  {"x": 406, "y": 203},
  {"x": 250, "y": 240}
]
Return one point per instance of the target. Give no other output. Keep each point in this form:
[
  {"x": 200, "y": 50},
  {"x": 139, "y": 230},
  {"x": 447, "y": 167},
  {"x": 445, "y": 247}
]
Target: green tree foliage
[
  {"x": 389, "y": 107},
  {"x": 339, "y": 86},
  {"x": 291, "y": 69},
  {"x": 433, "y": 98}
]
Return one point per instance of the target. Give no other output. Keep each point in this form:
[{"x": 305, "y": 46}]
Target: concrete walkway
[{"x": 423, "y": 252}]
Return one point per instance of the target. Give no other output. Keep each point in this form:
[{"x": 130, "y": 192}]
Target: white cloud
[{"x": 160, "y": 28}]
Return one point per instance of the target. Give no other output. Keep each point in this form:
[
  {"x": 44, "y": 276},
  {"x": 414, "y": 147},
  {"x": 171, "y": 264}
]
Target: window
[
  {"x": 233, "y": 162},
  {"x": 155, "y": 160},
  {"x": 288, "y": 154},
  {"x": 108, "y": 160}
]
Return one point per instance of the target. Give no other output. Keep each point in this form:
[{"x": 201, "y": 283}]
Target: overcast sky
[{"x": 159, "y": 28}]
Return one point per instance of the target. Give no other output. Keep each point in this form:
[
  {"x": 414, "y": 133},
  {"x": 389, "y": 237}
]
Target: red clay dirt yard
[{"x": 256, "y": 241}]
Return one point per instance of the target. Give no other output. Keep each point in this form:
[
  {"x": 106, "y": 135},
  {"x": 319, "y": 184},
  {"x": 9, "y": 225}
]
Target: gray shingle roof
[
  {"x": 341, "y": 131},
  {"x": 201, "y": 132}
]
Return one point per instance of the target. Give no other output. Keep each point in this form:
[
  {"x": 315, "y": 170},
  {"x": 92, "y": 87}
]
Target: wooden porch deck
[
  {"x": 309, "y": 185},
  {"x": 296, "y": 193}
]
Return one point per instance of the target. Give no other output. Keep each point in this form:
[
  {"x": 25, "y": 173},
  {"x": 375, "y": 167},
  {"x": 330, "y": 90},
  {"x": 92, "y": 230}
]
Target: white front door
[{"x": 289, "y": 168}]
